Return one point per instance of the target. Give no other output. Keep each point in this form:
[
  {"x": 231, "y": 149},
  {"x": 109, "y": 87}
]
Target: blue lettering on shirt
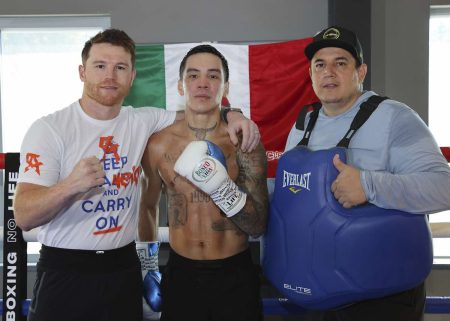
[
  {"x": 112, "y": 163},
  {"x": 109, "y": 205}
]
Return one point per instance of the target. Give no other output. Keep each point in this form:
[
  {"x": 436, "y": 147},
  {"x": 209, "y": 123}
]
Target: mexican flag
[{"x": 269, "y": 82}]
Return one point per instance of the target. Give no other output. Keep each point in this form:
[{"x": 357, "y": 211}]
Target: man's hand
[
  {"x": 347, "y": 187},
  {"x": 88, "y": 173},
  {"x": 36, "y": 205},
  {"x": 237, "y": 122}
]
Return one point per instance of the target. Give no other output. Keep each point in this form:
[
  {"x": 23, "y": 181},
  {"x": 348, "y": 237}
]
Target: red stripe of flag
[
  {"x": 279, "y": 86},
  {"x": 446, "y": 152}
]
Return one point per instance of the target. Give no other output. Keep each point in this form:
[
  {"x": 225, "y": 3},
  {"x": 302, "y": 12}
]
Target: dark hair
[
  {"x": 205, "y": 49},
  {"x": 114, "y": 37}
]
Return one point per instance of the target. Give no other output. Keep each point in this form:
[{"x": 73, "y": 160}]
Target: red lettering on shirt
[
  {"x": 124, "y": 179},
  {"x": 109, "y": 147},
  {"x": 33, "y": 162}
]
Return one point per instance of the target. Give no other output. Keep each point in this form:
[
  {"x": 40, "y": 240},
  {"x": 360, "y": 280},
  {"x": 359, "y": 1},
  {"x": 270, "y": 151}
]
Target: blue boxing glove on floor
[{"x": 148, "y": 255}]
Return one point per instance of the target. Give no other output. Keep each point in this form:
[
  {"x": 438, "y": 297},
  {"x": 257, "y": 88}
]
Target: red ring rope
[{"x": 2, "y": 161}]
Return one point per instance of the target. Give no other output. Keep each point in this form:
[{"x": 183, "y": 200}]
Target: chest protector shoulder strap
[{"x": 323, "y": 256}]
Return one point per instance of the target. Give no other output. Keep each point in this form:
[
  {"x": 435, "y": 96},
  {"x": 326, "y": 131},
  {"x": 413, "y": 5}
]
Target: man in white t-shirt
[{"x": 78, "y": 181}]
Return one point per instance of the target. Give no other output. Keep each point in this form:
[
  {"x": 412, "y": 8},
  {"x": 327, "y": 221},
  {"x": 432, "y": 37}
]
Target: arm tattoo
[
  {"x": 252, "y": 219},
  {"x": 247, "y": 174}
]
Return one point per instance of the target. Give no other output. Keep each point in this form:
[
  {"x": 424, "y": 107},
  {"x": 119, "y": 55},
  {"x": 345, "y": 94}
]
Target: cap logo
[{"x": 331, "y": 33}]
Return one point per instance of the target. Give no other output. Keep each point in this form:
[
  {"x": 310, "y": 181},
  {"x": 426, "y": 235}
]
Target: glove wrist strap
[{"x": 229, "y": 198}]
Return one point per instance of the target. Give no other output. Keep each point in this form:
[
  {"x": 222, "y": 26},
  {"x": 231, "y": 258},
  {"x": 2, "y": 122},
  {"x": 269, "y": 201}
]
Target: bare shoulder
[
  {"x": 163, "y": 148},
  {"x": 163, "y": 140}
]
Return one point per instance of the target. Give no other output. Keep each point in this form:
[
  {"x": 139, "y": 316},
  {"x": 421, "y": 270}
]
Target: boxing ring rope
[{"x": 14, "y": 305}]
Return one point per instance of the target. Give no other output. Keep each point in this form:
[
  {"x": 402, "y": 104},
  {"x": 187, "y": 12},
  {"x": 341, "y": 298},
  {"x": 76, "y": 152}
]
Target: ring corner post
[{"x": 14, "y": 247}]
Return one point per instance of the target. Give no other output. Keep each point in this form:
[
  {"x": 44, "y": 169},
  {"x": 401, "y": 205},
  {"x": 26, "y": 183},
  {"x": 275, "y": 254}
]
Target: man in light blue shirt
[{"x": 393, "y": 160}]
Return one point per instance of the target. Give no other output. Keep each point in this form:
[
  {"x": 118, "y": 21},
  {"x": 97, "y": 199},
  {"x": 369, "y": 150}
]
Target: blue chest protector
[{"x": 321, "y": 255}]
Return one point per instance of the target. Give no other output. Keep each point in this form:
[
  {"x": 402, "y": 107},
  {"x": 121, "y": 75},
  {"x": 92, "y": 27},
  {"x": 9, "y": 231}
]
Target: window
[
  {"x": 439, "y": 111},
  {"x": 39, "y": 58}
]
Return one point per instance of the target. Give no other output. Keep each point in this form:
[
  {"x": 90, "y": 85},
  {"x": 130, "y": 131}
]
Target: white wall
[
  {"x": 400, "y": 51},
  {"x": 161, "y": 21}
]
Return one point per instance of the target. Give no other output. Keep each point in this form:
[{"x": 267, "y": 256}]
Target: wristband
[{"x": 225, "y": 110}]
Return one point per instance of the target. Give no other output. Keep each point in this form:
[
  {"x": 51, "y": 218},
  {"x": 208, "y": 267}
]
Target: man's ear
[
  {"x": 362, "y": 72},
  {"x": 133, "y": 77},
  {"x": 226, "y": 89},
  {"x": 81, "y": 73},
  {"x": 180, "y": 87}
]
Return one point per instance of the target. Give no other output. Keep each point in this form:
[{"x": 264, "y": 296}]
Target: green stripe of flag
[{"x": 149, "y": 87}]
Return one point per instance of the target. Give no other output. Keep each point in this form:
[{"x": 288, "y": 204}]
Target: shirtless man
[{"x": 215, "y": 201}]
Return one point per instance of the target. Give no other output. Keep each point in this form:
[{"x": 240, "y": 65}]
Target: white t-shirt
[{"x": 105, "y": 217}]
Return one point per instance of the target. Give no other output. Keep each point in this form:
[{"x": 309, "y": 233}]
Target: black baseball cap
[{"x": 336, "y": 37}]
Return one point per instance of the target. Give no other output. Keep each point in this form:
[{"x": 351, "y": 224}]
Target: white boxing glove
[{"x": 203, "y": 164}]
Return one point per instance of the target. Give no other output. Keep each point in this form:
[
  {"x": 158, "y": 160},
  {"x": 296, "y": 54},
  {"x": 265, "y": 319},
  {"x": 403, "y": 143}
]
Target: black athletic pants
[
  {"x": 78, "y": 285},
  {"x": 404, "y": 306}
]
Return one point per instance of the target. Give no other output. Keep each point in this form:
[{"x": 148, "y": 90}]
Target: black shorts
[
  {"x": 226, "y": 289},
  {"x": 78, "y": 285}
]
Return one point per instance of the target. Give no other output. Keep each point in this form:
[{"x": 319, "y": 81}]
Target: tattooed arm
[
  {"x": 151, "y": 188},
  {"x": 252, "y": 179}
]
